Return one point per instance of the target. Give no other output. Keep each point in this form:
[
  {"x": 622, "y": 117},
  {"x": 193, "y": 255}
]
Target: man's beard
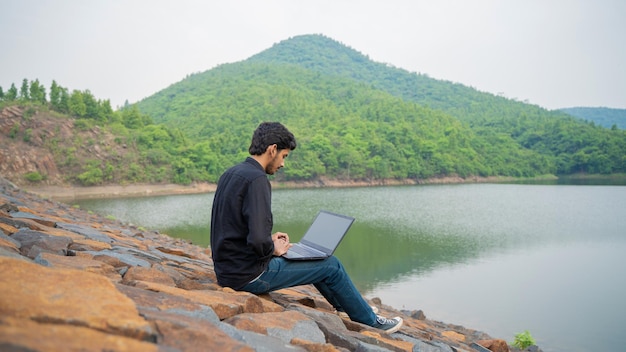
[{"x": 271, "y": 169}]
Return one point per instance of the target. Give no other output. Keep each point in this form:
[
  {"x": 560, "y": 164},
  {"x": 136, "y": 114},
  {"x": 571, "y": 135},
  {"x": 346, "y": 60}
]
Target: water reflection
[{"x": 463, "y": 253}]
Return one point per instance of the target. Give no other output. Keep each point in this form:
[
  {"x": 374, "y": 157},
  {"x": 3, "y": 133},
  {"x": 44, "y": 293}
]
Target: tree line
[
  {"x": 568, "y": 144},
  {"x": 350, "y": 129},
  {"x": 195, "y": 129},
  {"x": 154, "y": 153}
]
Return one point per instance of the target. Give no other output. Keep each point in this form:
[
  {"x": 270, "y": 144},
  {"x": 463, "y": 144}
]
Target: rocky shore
[{"x": 75, "y": 281}]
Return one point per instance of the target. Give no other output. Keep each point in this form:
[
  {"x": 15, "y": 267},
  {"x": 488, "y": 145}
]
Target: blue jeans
[{"x": 328, "y": 276}]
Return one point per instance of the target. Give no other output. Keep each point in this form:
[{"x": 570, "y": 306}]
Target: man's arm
[
  {"x": 257, "y": 209},
  {"x": 281, "y": 243}
]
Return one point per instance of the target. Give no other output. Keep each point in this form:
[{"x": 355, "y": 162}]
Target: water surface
[{"x": 501, "y": 258}]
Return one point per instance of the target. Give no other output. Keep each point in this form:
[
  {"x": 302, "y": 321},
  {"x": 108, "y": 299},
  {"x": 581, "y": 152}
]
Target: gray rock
[
  {"x": 26, "y": 215},
  {"x": 260, "y": 343},
  {"x": 306, "y": 330},
  {"x": 138, "y": 253},
  {"x": 11, "y": 254},
  {"x": 125, "y": 258},
  {"x": 204, "y": 313},
  {"x": 10, "y": 239},
  {"x": 34, "y": 242},
  {"x": 426, "y": 346},
  {"x": 86, "y": 231},
  {"x": 331, "y": 325}
]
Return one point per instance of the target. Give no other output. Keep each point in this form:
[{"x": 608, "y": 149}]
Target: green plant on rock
[
  {"x": 34, "y": 176},
  {"x": 14, "y": 131},
  {"x": 523, "y": 340},
  {"x": 93, "y": 175},
  {"x": 28, "y": 134}
]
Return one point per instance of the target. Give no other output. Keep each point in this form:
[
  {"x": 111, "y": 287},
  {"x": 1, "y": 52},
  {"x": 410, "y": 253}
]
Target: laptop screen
[{"x": 326, "y": 231}]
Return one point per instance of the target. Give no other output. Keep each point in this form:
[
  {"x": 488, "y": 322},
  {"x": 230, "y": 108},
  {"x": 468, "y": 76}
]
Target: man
[{"x": 247, "y": 256}]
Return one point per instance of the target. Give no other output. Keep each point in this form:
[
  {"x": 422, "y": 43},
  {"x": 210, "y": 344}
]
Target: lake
[{"x": 499, "y": 258}]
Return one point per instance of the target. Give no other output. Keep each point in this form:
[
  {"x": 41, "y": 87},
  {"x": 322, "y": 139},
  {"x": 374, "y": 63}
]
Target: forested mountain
[
  {"x": 357, "y": 118},
  {"x": 354, "y": 119},
  {"x": 605, "y": 117}
]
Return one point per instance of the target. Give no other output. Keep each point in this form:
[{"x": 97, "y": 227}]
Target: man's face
[{"x": 277, "y": 162}]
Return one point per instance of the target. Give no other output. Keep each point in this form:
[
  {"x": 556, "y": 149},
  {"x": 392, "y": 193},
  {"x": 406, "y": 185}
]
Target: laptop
[{"x": 322, "y": 237}]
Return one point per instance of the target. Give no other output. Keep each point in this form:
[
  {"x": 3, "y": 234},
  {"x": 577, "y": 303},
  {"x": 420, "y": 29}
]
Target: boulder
[{"x": 68, "y": 297}]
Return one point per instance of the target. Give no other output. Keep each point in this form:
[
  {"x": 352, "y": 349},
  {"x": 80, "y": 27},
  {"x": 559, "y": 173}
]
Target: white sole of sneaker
[{"x": 395, "y": 328}]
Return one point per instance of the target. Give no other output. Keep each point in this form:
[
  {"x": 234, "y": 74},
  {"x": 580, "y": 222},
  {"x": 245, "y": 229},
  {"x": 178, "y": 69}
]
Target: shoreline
[{"x": 69, "y": 193}]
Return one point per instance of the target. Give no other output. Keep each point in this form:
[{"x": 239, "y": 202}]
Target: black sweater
[{"x": 241, "y": 224}]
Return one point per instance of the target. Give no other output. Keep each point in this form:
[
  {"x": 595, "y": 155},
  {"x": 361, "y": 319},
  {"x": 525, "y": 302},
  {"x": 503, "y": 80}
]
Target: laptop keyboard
[{"x": 304, "y": 251}]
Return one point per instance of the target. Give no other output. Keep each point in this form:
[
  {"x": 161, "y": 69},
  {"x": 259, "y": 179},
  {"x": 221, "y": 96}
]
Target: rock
[
  {"x": 8, "y": 208},
  {"x": 7, "y": 228},
  {"x": 36, "y": 218},
  {"x": 284, "y": 325},
  {"x": 224, "y": 304},
  {"x": 314, "y": 347},
  {"x": 453, "y": 335},
  {"x": 86, "y": 231},
  {"x": 116, "y": 257},
  {"x": 79, "y": 263},
  {"x": 494, "y": 345},
  {"x": 27, "y": 335},
  {"x": 68, "y": 297},
  {"x": 7, "y": 241},
  {"x": 186, "y": 333},
  {"x": 34, "y": 242},
  {"x": 88, "y": 245},
  {"x": 418, "y": 314},
  {"x": 138, "y": 273}
]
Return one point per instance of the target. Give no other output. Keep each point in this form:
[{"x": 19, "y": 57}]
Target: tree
[
  {"x": 106, "y": 111},
  {"x": 37, "y": 92},
  {"x": 1, "y": 94},
  {"x": 77, "y": 105},
  {"x": 11, "y": 93},
  {"x": 24, "y": 92},
  {"x": 131, "y": 118},
  {"x": 92, "y": 107},
  {"x": 55, "y": 95},
  {"x": 64, "y": 100}
]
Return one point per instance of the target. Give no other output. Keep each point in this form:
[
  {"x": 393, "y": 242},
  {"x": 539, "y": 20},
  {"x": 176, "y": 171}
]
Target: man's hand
[{"x": 281, "y": 243}]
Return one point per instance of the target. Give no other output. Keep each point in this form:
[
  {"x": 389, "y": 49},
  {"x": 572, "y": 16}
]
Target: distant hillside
[
  {"x": 357, "y": 118},
  {"x": 43, "y": 147},
  {"x": 605, "y": 117},
  {"x": 43, "y": 143}
]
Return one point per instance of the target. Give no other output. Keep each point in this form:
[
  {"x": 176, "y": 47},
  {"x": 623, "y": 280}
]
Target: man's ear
[{"x": 272, "y": 149}]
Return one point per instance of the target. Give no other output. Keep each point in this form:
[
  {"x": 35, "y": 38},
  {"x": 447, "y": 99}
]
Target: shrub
[
  {"x": 34, "y": 176},
  {"x": 14, "y": 131},
  {"x": 27, "y": 135},
  {"x": 92, "y": 176},
  {"x": 523, "y": 340},
  {"x": 29, "y": 112}
]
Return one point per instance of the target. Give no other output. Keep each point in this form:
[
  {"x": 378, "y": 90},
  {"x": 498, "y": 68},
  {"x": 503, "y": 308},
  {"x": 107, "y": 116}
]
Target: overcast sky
[{"x": 553, "y": 53}]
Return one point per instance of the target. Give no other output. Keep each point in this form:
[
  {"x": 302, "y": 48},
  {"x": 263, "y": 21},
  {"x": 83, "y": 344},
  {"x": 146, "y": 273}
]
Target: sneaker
[
  {"x": 345, "y": 315},
  {"x": 388, "y": 325}
]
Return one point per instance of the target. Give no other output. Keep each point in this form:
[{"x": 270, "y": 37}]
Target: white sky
[{"x": 553, "y": 53}]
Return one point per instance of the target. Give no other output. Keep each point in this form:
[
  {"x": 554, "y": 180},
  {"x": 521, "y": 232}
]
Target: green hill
[
  {"x": 362, "y": 119},
  {"x": 605, "y": 117},
  {"x": 355, "y": 119}
]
